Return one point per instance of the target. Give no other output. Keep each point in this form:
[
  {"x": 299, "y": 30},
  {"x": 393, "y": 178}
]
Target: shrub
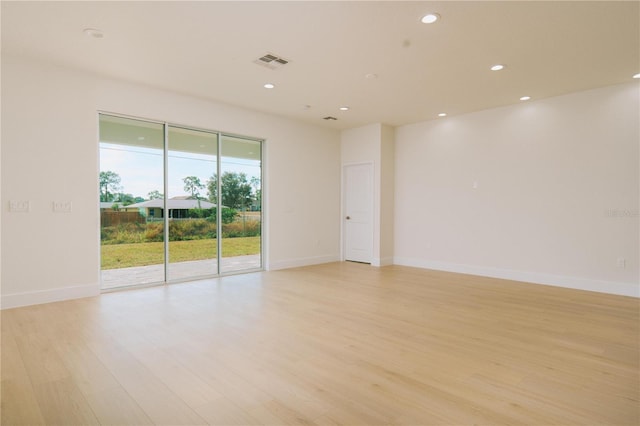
[
  {"x": 249, "y": 228},
  {"x": 123, "y": 233},
  {"x": 179, "y": 230},
  {"x": 154, "y": 232},
  {"x": 190, "y": 229},
  {"x": 228, "y": 215},
  {"x": 200, "y": 213}
]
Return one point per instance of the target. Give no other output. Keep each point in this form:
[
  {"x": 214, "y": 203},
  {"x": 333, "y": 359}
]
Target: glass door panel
[
  {"x": 191, "y": 203},
  {"x": 131, "y": 182},
  {"x": 241, "y": 198}
]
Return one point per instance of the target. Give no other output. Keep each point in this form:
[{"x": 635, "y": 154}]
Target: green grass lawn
[{"x": 141, "y": 254}]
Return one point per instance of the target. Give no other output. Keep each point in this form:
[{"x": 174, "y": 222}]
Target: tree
[
  {"x": 109, "y": 184},
  {"x": 257, "y": 195},
  {"x": 236, "y": 190},
  {"x": 193, "y": 185},
  {"x": 125, "y": 199},
  {"x": 154, "y": 195}
]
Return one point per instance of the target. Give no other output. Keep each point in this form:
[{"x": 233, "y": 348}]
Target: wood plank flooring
[{"x": 334, "y": 344}]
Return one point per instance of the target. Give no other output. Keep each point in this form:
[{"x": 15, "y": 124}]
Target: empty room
[{"x": 320, "y": 213}]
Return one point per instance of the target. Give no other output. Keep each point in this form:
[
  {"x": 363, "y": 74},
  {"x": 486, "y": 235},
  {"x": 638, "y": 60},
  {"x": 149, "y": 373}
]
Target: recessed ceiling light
[
  {"x": 498, "y": 67},
  {"x": 92, "y": 32},
  {"x": 371, "y": 76},
  {"x": 269, "y": 86},
  {"x": 430, "y": 18},
  {"x": 525, "y": 98},
  {"x": 344, "y": 108},
  {"x": 442, "y": 114},
  {"x": 636, "y": 75}
]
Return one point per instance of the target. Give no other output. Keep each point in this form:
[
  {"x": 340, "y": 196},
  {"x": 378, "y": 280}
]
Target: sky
[{"x": 141, "y": 169}]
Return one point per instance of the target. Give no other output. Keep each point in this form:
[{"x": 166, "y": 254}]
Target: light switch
[
  {"x": 19, "y": 206},
  {"x": 62, "y": 206}
]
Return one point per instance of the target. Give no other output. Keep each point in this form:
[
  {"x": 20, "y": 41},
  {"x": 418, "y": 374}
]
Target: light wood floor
[{"x": 340, "y": 343}]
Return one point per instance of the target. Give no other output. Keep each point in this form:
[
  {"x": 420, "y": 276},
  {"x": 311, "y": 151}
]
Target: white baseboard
[
  {"x": 17, "y": 300},
  {"x": 610, "y": 287},
  {"x": 305, "y": 261}
]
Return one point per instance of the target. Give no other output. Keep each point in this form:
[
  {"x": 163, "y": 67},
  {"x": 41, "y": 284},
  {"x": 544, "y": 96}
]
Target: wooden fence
[{"x": 108, "y": 218}]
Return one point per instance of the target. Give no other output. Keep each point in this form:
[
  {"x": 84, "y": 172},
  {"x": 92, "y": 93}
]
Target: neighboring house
[
  {"x": 108, "y": 205},
  {"x": 178, "y": 207}
]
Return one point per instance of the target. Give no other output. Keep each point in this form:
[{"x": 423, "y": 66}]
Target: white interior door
[{"x": 358, "y": 212}]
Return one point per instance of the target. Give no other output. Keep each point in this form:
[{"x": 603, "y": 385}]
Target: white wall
[
  {"x": 50, "y": 152},
  {"x": 553, "y": 177},
  {"x": 556, "y": 203},
  {"x": 387, "y": 194}
]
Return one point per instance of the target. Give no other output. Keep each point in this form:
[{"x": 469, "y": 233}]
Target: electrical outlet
[
  {"x": 19, "y": 206},
  {"x": 62, "y": 206},
  {"x": 622, "y": 262}
]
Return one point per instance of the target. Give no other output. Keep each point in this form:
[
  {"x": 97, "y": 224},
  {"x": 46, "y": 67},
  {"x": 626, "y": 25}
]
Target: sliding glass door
[
  {"x": 241, "y": 190},
  {"x": 192, "y": 164},
  {"x": 165, "y": 215},
  {"x": 131, "y": 186}
]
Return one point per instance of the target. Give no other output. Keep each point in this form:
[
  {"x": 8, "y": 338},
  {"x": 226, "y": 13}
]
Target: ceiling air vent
[
  {"x": 271, "y": 61},
  {"x": 329, "y": 118}
]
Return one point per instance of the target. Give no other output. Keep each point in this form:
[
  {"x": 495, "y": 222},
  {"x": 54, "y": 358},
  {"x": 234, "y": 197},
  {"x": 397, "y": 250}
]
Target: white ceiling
[{"x": 207, "y": 49}]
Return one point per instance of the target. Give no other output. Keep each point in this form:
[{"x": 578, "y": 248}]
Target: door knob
[{"x": 348, "y": 217}]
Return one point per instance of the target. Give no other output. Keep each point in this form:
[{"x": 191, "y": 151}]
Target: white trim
[
  {"x": 305, "y": 261},
  {"x": 17, "y": 300},
  {"x": 610, "y": 287},
  {"x": 384, "y": 261}
]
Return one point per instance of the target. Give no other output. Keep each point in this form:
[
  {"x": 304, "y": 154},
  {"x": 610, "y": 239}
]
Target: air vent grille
[
  {"x": 271, "y": 61},
  {"x": 329, "y": 118}
]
